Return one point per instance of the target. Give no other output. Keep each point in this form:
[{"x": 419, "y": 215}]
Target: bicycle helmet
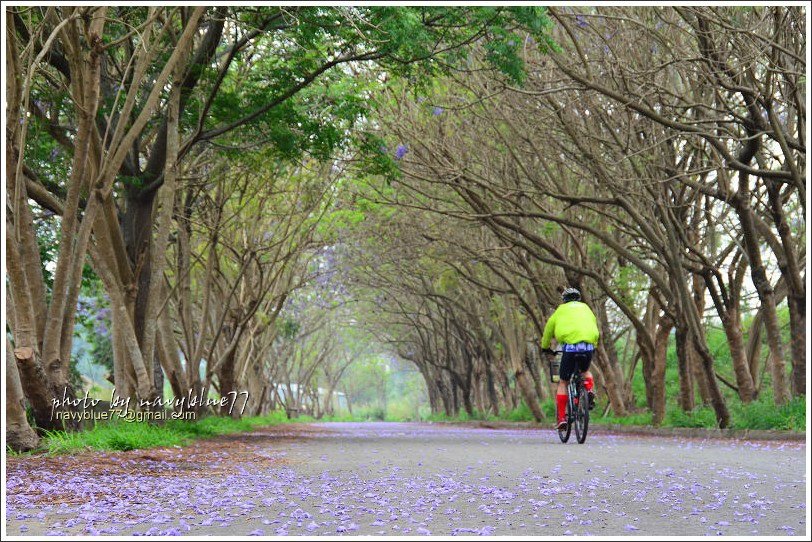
[{"x": 571, "y": 294}]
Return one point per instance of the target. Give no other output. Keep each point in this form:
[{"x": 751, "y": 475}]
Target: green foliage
[
  {"x": 374, "y": 414},
  {"x": 763, "y": 414},
  {"x": 640, "y": 419},
  {"x": 47, "y": 233},
  {"x": 550, "y": 228},
  {"x": 289, "y": 328},
  {"x": 119, "y": 436},
  {"x": 320, "y": 70},
  {"x": 448, "y": 281},
  {"x": 699, "y": 417},
  {"x": 521, "y": 413},
  {"x": 123, "y": 435}
]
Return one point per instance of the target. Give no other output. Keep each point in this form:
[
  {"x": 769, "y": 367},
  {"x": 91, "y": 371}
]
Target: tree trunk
[
  {"x": 34, "y": 380},
  {"x": 698, "y": 294},
  {"x": 479, "y": 388},
  {"x": 444, "y": 397},
  {"x": 465, "y": 394},
  {"x": 528, "y": 394},
  {"x": 613, "y": 382},
  {"x": 532, "y": 367},
  {"x": 491, "y": 387},
  {"x": 766, "y": 294},
  {"x": 717, "y": 400},
  {"x": 19, "y": 435},
  {"x": 796, "y": 298},
  {"x": 227, "y": 383},
  {"x": 612, "y": 372},
  {"x": 349, "y": 403},
  {"x": 744, "y": 379},
  {"x": 686, "y": 390},
  {"x": 648, "y": 360},
  {"x": 328, "y": 398},
  {"x": 694, "y": 341},
  {"x": 658, "y": 370},
  {"x": 697, "y": 373},
  {"x": 797, "y": 326}
]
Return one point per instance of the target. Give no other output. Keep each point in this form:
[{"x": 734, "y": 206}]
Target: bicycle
[{"x": 577, "y": 403}]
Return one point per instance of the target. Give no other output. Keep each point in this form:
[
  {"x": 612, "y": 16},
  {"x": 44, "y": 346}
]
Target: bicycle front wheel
[{"x": 582, "y": 416}]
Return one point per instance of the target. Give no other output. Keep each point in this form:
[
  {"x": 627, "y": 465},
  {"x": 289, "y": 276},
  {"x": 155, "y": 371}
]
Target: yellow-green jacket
[{"x": 571, "y": 323}]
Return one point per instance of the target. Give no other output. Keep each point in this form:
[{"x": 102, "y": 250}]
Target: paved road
[{"x": 417, "y": 479}]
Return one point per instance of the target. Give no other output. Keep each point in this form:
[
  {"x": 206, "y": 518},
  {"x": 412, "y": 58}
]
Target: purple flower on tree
[
  {"x": 581, "y": 21},
  {"x": 437, "y": 110},
  {"x": 401, "y": 151}
]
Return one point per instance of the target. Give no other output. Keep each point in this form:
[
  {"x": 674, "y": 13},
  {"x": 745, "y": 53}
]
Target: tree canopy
[{"x": 304, "y": 202}]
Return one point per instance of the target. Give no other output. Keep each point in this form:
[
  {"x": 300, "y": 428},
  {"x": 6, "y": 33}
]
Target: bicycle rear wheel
[
  {"x": 564, "y": 434},
  {"x": 582, "y": 416}
]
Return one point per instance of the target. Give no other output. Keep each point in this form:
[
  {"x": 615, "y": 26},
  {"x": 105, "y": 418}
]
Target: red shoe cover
[{"x": 561, "y": 400}]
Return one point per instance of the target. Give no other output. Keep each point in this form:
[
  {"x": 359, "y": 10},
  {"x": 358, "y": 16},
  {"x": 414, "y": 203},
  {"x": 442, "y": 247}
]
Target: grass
[
  {"x": 123, "y": 435},
  {"x": 760, "y": 414},
  {"x": 643, "y": 418},
  {"x": 137, "y": 435},
  {"x": 764, "y": 415},
  {"x": 522, "y": 413},
  {"x": 757, "y": 415}
]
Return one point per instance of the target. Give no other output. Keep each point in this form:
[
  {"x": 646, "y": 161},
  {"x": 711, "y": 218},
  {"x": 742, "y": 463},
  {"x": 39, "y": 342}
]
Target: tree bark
[
  {"x": 731, "y": 322},
  {"x": 19, "y": 435},
  {"x": 765, "y": 291},
  {"x": 658, "y": 396},
  {"x": 796, "y": 288},
  {"x": 686, "y": 389}
]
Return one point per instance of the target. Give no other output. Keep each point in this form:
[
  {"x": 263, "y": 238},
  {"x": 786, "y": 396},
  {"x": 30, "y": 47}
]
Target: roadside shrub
[
  {"x": 521, "y": 413},
  {"x": 699, "y": 417},
  {"x": 640, "y": 418},
  {"x": 763, "y": 414}
]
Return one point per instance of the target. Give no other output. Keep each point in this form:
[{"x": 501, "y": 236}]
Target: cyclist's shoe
[
  {"x": 561, "y": 425},
  {"x": 591, "y": 400}
]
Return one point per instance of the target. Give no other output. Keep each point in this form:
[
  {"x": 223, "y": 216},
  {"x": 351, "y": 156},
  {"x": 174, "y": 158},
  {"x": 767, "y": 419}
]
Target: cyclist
[{"x": 575, "y": 328}]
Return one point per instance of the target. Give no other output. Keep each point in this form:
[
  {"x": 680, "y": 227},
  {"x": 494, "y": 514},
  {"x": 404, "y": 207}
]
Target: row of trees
[
  {"x": 185, "y": 158},
  {"x": 656, "y": 162},
  {"x": 245, "y": 185}
]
